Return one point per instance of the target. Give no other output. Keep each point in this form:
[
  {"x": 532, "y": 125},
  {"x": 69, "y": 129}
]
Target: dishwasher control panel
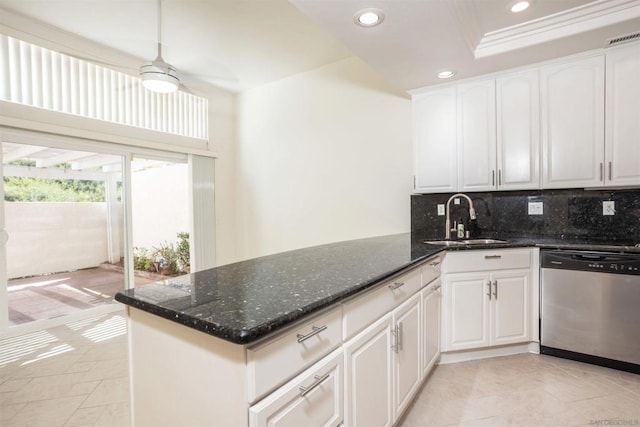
[{"x": 604, "y": 262}]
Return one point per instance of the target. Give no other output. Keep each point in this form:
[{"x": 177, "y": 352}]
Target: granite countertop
[{"x": 245, "y": 301}]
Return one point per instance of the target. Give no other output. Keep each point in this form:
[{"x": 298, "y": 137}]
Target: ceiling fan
[
  {"x": 162, "y": 77},
  {"x": 157, "y": 75}
]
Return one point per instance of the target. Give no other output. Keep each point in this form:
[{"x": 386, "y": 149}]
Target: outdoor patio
[{"x": 54, "y": 295}]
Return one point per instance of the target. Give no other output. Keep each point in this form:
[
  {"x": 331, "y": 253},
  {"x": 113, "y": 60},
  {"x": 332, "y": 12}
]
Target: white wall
[
  {"x": 52, "y": 237},
  {"x": 222, "y": 134},
  {"x": 160, "y": 204},
  {"x": 322, "y": 156}
]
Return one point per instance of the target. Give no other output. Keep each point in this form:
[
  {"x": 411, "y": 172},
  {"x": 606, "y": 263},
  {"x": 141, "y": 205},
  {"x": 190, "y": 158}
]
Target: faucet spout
[{"x": 472, "y": 212}]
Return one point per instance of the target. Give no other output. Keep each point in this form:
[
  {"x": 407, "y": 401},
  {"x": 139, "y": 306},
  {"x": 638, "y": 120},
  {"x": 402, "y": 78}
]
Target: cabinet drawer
[
  {"x": 366, "y": 309},
  {"x": 314, "y": 398},
  {"x": 275, "y": 361},
  {"x": 431, "y": 270},
  {"x": 487, "y": 259}
]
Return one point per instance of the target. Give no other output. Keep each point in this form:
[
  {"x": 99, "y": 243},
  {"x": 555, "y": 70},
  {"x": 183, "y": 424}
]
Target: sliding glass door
[
  {"x": 86, "y": 219},
  {"x": 64, "y": 217}
]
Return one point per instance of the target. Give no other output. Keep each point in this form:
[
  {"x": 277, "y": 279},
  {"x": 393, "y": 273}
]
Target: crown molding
[{"x": 591, "y": 16}]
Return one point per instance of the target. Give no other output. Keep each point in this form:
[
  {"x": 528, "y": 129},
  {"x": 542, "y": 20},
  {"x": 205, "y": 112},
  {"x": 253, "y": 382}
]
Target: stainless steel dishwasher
[{"x": 590, "y": 307}]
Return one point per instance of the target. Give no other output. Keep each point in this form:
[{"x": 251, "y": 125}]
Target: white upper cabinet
[
  {"x": 434, "y": 140},
  {"x": 518, "y": 130},
  {"x": 476, "y": 121},
  {"x": 549, "y": 127},
  {"x": 572, "y": 98},
  {"x": 622, "y": 117}
]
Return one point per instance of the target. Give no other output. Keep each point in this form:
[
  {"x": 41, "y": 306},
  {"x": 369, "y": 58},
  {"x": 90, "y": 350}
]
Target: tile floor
[
  {"x": 526, "y": 390},
  {"x": 59, "y": 294},
  {"x": 71, "y": 375},
  {"x": 76, "y": 375}
]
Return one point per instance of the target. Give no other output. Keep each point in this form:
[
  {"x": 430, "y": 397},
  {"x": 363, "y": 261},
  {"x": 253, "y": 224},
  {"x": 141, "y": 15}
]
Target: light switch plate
[
  {"x": 608, "y": 207},
  {"x": 535, "y": 208},
  {"x": 440, "y": 209}
]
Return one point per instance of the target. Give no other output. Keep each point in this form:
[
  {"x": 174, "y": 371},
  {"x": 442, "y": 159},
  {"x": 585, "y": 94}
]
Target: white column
[
  {"x": 114, "y": 217},
  {"x": 202, "y": 212}
]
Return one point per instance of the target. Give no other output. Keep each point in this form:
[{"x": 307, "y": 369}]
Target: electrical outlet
[
  {"x": 440, "y": 210},
  {"x": 608, "y": 207},
  {"x": 456, "y": 201},
  {"x": 535, "y": 208}
]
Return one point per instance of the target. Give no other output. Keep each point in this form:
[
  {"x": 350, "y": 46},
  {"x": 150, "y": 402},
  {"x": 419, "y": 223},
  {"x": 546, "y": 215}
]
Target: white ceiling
[{"x": 240, "y": 44}]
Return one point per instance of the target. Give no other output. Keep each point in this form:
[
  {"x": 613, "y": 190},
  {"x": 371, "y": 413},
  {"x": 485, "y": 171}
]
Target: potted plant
[
  {"x": 182, "y": 252},
  {"x": 167, "y": 258}
]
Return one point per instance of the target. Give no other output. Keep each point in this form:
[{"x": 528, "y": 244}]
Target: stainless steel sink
[{"x": 468, "y": 242}]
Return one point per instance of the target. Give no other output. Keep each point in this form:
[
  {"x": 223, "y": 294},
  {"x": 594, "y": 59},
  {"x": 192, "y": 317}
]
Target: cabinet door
[
  {"x": 434, "y": 141},
  {"x": 314, "y": 398},
  {"x": 466, "y": 311},
  {"x": 622, "y": 119},
  {"x": 369, "y": 376},
  {"x": 407, "y": 350},
  {"x": 518, "y": 131},
  {"x": 572, "y": 108},
  {"x": 510, "y": 307},
  {"x": 430, "y": 325},
  {"x": 476, "y": 113}
]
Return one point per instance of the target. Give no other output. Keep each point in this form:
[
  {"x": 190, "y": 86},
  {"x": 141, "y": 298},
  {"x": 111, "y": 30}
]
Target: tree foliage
[{"x": 28, "y": 189}]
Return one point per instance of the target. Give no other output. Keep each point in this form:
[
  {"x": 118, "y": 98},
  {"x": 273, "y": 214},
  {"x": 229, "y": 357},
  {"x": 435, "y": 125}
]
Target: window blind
[{"x": 42, "y": 78}]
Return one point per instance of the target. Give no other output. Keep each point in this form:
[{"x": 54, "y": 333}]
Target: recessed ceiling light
[
  {"x": 368, "y": 17},
  {"x": 519, "y": 6},
  {"x": 446, "y": 74}
]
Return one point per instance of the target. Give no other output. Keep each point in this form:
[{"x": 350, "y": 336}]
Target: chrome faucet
[{"x": 472, "y": 213}]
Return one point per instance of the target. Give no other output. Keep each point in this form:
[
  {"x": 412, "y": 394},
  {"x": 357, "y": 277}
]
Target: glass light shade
[{"x": 158, "y": 76}]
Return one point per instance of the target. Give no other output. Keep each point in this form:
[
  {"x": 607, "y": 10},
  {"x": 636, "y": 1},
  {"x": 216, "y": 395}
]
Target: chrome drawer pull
[
  {"x": 399, "y": 336},
  {"x": 492, "y": 256},
  {"x": 396, "y": 285},
  {"x": 318, "y": 380},
  {"x": 314, "y": 330},
  {"x": 435, "y": 264},
  {"x": 489, "y": 285},
  {"x": 495, "y": 292}
]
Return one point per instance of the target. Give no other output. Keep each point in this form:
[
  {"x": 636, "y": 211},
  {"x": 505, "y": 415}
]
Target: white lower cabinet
[
  {"x": 407, "y": 364},
  {"x": 431, "y": 296},
  {"x": 314, "y": 398},
  {"x": 488, "y": 307},
  {"x": 368, "y": 376},
  {"x": 384, "y": 367},
  {"x": 391, "y": 335}
]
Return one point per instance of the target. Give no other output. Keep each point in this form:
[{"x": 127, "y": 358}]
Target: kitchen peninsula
[
  {"x": 287, "y": 335},
  {"x": 191, "y": 337}
]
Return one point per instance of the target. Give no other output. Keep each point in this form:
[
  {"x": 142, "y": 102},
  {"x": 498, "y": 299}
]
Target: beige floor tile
[
  {"x": 13, "y": 385},
  {"x": 115, "y": 415},
  {"x": 114, "y": 390},
  {"x": 615, "y": 406},
  {"x": 482, "y": 422},
  {"x": 50, "y": 387},
  {"x": 9, "y": 411},
  {"x": 85, "y": 416},
  {"x": 46, "y": 413},
  {"x": 106, "y": 369}
]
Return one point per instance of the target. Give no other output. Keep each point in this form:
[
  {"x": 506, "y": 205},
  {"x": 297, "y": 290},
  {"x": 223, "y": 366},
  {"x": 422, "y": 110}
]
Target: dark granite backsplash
[{"x": 567, "y": 214}]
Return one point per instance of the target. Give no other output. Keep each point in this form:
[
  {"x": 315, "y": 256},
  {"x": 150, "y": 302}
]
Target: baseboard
[{"x": 486, "y": 353}]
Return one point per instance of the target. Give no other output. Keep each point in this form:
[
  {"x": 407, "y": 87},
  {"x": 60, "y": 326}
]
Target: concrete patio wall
[
  {"x": 52, "y": 237},
  {"x": 160, "y": 198}
]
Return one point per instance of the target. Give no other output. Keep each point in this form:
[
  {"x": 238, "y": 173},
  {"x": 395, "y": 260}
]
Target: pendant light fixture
[{"x": 158, "y": 76}]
